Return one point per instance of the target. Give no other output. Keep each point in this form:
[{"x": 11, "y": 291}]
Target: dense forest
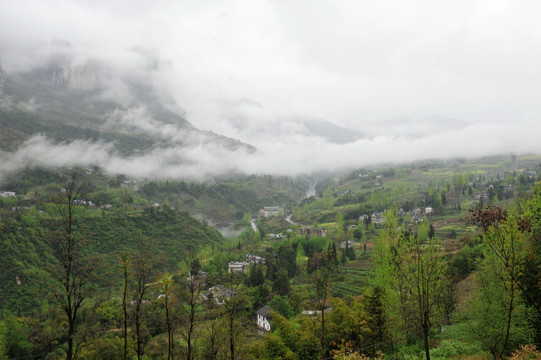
[{"x": 427, "y": 260}]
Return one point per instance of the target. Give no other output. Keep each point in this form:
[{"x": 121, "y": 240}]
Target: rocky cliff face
[{"x": 88, "y": 76}]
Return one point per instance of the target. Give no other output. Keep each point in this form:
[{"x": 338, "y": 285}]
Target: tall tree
[
  {"x": 143, "y": 271},
  {"x": 281, "y": 285},
  {"x": 256, "y": 277},
  {"x": 74, "y": 270},
  {"x": 508, "y": 253},
  {"x": 320, "y": 267},
  {"x": 412, "y": 276},
  {"x": 166, "y": 284},
  {"x": 234, "y": 307},
  {"x": 190, "y": 304},
  {"x": 124, "y": 260}
]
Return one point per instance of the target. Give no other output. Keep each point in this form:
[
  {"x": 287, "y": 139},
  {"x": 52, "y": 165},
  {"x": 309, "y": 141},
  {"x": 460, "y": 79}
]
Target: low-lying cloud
[{"x": 288, "y": 157}]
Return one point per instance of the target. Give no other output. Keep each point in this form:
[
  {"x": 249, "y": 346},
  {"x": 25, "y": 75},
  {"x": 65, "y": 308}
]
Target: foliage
[
  {"x": 526, "y": 352},
  {"x": 281, "y": 305},
  {"x": 281, "y": 285},
  {"x": 412, "y": 277}
]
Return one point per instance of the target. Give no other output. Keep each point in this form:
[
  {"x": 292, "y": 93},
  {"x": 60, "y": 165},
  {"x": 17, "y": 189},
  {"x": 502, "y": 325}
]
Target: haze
[{"x": 419, "y": 79}]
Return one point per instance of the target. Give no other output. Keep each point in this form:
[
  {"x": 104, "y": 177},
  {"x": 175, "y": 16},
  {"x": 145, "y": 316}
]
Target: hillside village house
[
  {"x": 219, "y": 293},
  {"x": 349, "y": 243},
  {"x": 263, "y": 318},
  {"x": 270, "y": 211},
  {"x": 237, "y": 266},
  {"x": 240, "y": 266},
  {"x": 313, "y": 231}
]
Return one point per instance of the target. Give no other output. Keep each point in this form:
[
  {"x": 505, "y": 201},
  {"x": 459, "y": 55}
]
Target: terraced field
[{"x": 353, "y": 278}]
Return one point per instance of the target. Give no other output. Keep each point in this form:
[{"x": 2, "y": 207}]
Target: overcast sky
[{"x": 420, "y": 78}]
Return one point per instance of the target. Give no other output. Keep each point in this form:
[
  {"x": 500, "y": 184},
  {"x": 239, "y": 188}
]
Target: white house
[
  {"x": 269, "y": 211},
  {"x": 349, "y": 243},
  {"x": 237, "y": 266},
  {"x": 263, "y": 317}
]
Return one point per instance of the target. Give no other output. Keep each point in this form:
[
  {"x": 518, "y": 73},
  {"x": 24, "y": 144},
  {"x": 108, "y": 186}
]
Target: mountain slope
[{"x": 67, "y": 102}]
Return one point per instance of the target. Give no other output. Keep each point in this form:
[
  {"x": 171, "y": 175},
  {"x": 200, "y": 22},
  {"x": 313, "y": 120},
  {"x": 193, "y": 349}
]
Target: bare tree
[
  {"x": 142, "y": 273},
  {"x": 191, "y": 301},
  {"x": 320, "y": 268},
  {"x": 212, "y": 338},
  {"x": 166, "y": 285},
  {"x": 124, "y": 268},
  {"x": 235, "y": 304},
  {"x": 74, "y": 271}
]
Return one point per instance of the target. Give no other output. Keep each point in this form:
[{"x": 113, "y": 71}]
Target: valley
[{"x": 120, "y": 221}]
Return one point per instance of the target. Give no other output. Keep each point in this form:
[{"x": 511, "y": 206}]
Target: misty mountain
[
  {"x": 68, "y": 100},
  {"x": 331, "y": 132}
]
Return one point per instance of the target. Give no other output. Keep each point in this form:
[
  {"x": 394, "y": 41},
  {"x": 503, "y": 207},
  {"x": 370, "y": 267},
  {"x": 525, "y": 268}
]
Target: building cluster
[
  {"x": 241, "y": 266},
  {"x": 199, "y": 279},
  {"x": 83, "y": 202},
  {"x": 264, "y": 317},
  {"x": 308, "y": 231},
  {"x": 219, "y": 293},
  {"x": 275, "y": 236},
  {"x": 417, "y": 214},
  {"x": 126, "y": 184}
]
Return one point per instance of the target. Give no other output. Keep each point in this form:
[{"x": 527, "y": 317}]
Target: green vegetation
[{"x": 405, "y": 269}]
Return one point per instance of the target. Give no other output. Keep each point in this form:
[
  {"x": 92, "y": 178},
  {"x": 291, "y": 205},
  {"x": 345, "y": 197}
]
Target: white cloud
[{"x": 355, "y": 63}]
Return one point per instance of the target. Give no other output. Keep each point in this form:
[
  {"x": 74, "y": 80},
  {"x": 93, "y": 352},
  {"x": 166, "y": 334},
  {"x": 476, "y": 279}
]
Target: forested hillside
[
  {"x": 27, "y": 237},
  {"x": 230, "y": 198}
]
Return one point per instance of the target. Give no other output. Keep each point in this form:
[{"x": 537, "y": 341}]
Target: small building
[
  {"x": 220, "y": 294},
  {"x": 199, "y": 279},
  {"x": 346, "y": 244},
  {"x": 7, "y": 194},
  {"x": 429, "y": 210},
  {"x": 270, "y": 211},
  {"x": 313, "y": 231},
  {"x": 316, "y": 313},
  {"x": 377, "y": 218},
  {"x": 263, "y": 317},
  {"x": 237, "y": 266},
  {"x": 254, "y": 259}
]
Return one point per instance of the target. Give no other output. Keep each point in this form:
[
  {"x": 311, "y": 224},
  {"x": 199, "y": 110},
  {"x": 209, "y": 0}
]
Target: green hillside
[{"x": 26, "y": 251}]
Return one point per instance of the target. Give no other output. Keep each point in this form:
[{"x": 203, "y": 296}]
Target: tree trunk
[
  {"x": 427, "y": 344},
  {"x": 138, "y": 332},
  {"x": 125, "y": 312},
  {"x": 322, "y": 339},
  {"x": 69, "y": 353},
  {"x": 509, "y": 317},
  {"x": 231, "y": 339},
  {"x": 169, "y": 331}
]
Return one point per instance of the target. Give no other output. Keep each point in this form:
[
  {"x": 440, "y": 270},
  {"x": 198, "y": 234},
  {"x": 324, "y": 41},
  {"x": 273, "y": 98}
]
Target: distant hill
[{"x": 67, "y": 102}]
